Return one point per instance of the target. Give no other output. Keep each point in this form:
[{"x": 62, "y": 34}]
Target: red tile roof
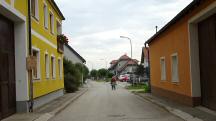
[
  {"x": 124, "y": 57},
  {"x": 113, "y": 61}
]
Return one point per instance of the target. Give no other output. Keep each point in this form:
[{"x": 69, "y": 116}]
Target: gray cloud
[{"x": 94, "y": 26}]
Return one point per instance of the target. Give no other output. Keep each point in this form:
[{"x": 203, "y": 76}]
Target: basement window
[{"x": 163, "y": 68}]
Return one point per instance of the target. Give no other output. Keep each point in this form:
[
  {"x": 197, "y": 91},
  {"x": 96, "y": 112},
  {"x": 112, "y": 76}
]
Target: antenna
[{"x": 156, "y": 27}]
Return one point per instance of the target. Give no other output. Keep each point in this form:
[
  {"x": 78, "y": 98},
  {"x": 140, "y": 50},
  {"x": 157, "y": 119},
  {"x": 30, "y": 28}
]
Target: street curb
[
  {"x": 179, "y": 113},
  {"x": 47, "y": 116}
]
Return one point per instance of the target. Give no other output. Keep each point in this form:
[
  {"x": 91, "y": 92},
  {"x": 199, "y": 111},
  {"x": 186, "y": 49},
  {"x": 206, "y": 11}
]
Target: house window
[
  {"x": 59, "y": 28},
  {"x": 36, "y": 71},
  {"x": 60, "y": 68},
  {"x": 175, "y": 76},
  {"x": 163, "y": 68},
  {"x": 53, "y": 69},
  {"x": 34, "y": 9},
  {"x": 51, "y": 23},
  {"x": 47, "y": 65},
  {"x": 45, "y": 16}
]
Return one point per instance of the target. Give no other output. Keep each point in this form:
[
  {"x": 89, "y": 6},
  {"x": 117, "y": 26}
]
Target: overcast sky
[{"x": 94, "y": 26}]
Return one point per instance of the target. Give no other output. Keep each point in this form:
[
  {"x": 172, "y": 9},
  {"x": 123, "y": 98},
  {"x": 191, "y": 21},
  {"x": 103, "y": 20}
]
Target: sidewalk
[
  {"x": 49, "y": 110},
  {"x": 185, "y": 112}
]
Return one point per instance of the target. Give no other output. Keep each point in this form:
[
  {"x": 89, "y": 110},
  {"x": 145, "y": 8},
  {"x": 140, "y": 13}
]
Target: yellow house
[{"x": 48, "y": 82}]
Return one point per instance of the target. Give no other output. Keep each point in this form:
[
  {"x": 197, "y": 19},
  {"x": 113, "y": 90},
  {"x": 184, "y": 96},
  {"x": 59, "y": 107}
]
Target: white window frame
[
  {"x": 60, "y": 67},
  {"x": 52, "y": 22},
  {"x": 175, "y": 79},
  {"x": 46, "y": 15},
  {"x": 163, "y": 74},
  {"x": 59, "y": 27},
  {"x": 38, "y": 64},
  {"x": 53, "y": 67},
  {"x": 12, "y": 3},
  {"x": 36, "y": 10},
  {"x": 47, "y": 65}
]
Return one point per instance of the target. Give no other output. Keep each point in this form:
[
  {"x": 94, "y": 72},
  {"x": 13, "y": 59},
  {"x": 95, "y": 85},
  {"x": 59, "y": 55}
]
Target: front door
[
  {"x": 207, "y": 53},
  {"x": 7, "y": 68}
]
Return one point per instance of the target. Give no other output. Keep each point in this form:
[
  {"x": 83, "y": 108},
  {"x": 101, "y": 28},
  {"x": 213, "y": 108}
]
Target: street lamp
[
  {"x": 130, "y": 43},
  {"x": 131, "y": 55}
]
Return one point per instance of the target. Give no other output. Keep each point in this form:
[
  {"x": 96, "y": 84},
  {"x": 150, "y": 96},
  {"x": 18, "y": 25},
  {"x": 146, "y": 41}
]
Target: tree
[
  {"x": 110, "y": 75},
  {"x": 85, "y": 72},
  {"x": 94, "y": 73},
  {"x": 102, "y": 73},
  {"x": 140, "y": 70}
]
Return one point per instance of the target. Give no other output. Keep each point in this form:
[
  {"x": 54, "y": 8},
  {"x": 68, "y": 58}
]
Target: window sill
[
  {"x": 52, "y": 33},
  {"x": 46, "y": 28},
  {"x": 175, "y": 82},
  {"x": 36, "y": 80},
  {"x": 163, "y": 80},
  {"x": 35, "y": 19}
]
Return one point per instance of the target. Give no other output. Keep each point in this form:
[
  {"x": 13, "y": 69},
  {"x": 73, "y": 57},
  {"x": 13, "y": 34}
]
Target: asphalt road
[{"x": 100, "y": 103}]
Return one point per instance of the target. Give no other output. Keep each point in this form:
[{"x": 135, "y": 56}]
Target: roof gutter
[{"x": 31, "y": 101}]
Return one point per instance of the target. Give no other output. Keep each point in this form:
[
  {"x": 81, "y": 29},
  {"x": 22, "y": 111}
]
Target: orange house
[{"x": 183, "y": 56}]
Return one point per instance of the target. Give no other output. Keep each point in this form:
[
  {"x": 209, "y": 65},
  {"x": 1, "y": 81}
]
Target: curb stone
[
  {"x": 47, "y": 116},
  {"x": 183, "y": 115}
]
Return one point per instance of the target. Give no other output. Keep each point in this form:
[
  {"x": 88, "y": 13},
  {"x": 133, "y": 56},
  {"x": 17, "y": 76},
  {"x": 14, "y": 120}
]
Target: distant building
[
  {"x": 145, "y": 57},
  {"x": 145, "y": 61},
  {"x": 124, "y": 65},
  {"x": 72, "y": 55}
]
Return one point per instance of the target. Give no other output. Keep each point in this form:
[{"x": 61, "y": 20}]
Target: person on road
[{"x": 113, "y": 83}]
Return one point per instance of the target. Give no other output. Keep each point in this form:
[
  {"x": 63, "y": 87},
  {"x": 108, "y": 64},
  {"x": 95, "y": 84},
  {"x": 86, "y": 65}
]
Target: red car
[{"x": 123, "y": 78}]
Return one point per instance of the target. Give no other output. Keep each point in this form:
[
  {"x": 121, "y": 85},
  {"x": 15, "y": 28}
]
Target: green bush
[
  {"x": 71, "y": 85},
  {"x": 108, "y": 79},
  {"x": 72, "y": 77},
  {"x": 140, "y": 87}
]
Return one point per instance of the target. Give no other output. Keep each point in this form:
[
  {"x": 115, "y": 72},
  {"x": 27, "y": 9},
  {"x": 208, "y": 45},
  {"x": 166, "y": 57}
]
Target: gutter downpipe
[
  {"x": 31, "y": 101},
  {"x": 149, "y": 70}
]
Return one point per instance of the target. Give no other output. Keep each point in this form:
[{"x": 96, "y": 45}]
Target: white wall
[
  {"x": 68, "y": 54},
  {"x": 122, "y": 63}
]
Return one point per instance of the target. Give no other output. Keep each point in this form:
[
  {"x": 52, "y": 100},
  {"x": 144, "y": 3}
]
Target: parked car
[{"x": 123, "y": 78}]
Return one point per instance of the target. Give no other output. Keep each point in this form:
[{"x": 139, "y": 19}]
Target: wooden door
[
  {"x": 207, "y": 53},
  {"x": 7, "y": 68}
]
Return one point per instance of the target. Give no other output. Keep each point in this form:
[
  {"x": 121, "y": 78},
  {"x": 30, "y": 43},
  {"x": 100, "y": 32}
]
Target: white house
[{"x": 72, "y": 55}]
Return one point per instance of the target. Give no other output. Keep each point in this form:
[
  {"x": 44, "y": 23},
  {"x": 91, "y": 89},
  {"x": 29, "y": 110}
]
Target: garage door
[
  {"x": 207, "y": 48},
  {"x": 7, "y": 68}
]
